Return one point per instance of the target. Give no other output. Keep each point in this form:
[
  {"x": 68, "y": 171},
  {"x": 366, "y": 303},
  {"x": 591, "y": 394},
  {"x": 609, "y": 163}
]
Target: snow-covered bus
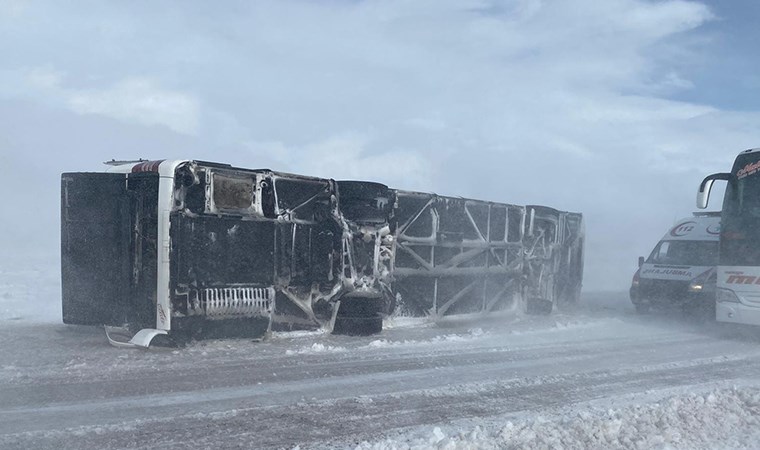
[
  {"x": 738, "y": 274},
  {"x": 195, "y": 248}
]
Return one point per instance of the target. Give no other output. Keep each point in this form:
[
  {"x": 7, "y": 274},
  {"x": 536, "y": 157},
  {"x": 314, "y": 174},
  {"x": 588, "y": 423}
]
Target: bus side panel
[{"x": 94, "y": 248}]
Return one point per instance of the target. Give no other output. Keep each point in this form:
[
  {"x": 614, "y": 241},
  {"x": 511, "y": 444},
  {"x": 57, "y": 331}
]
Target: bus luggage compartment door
[{"x": 94, "y": 248}]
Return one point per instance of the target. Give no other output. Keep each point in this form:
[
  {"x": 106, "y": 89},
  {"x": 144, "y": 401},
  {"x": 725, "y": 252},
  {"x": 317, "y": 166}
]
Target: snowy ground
[
  {"x": 30, "y": 292},
  {"x": 600, "y": 377}
]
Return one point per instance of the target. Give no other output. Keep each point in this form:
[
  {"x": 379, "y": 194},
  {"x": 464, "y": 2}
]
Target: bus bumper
[{"x": 737, "y": 313}]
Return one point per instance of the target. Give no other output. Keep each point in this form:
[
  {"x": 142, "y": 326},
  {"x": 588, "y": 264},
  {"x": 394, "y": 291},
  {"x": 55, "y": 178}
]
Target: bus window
[
  {"x": 267, "y": 198},
  {"x": 232, "y": 193}
]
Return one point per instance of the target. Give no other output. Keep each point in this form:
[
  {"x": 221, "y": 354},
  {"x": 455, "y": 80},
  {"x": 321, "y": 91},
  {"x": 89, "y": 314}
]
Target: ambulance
[{"x": 681, "y": 270}]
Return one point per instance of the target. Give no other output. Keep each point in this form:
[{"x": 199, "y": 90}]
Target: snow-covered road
[{"x": 575, "y": 380}]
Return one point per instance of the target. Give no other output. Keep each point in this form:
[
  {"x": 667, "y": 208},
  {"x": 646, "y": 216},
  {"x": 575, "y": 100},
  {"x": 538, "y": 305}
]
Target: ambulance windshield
[{"x": 685, "y": 253}]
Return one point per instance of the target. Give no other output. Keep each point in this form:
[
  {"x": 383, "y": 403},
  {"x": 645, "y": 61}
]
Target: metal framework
[{"x": 199, "y": 248}]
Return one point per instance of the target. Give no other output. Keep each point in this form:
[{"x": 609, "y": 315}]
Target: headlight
[
  {"x": 703, "y": 281},
  {"x": 727, "y": 296}
]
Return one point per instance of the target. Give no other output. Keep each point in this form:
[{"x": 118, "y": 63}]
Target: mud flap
[{"x": 119, "y": 337}]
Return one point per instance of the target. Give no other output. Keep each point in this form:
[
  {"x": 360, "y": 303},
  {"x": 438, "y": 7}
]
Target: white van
[{"x": 680, "y": 271}]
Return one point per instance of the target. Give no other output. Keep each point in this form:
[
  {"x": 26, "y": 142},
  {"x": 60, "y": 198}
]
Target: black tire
[
  {"x": 539, "y": 306},
  {"x": 569, "y": 298},
  {"x": 361, "y": 306},
  {"x": 701, "y": 312},
  {"x": 357, "y": 326}
]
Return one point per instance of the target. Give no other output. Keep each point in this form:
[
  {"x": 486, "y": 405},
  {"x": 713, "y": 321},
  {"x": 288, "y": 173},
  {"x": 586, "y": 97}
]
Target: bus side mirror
[
  {"x": 641, "y": 261},
  {"x": 703, "y": 194}
]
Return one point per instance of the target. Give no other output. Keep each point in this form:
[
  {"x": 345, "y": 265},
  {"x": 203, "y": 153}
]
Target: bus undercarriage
[{"x": 199, "y": 249}]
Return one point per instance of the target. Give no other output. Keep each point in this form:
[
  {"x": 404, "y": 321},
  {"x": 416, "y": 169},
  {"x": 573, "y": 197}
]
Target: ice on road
[{"x": 598, "y": 377}]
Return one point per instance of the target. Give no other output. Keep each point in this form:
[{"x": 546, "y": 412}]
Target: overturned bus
[{"x": 199, "y": 249}]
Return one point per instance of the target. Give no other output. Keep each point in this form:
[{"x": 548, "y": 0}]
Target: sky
[{"x": 615, "y": 109}]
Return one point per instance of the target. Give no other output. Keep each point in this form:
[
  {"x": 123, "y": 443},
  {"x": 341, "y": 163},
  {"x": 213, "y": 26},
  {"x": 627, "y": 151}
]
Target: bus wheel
[
  {"x": 643, "y": 309},
  {"x": 358, "y": 326},
  {"x": 539, "y": 306},
  {"x": 359, "y": 316}
]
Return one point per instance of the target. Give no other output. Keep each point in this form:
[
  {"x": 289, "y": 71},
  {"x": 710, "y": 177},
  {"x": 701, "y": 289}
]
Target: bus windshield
[
  {"x": 743, "y": 191},
  {"x": 740, "y": 221}
]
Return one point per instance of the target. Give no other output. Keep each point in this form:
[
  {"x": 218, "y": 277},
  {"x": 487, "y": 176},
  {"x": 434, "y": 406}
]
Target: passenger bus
[
  {"x": 738, "y": 273},
  {"x": 201, "y": 249}
]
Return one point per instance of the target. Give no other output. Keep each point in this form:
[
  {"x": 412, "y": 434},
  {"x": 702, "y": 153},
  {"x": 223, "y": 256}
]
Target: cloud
[
  {"x": 564, "y": 103},
  {"x": 141, "y": 101},
  {"x": 12, "y": 9},
  {"x": 44, "y": 78},
  {"x": 346, "y": 156}
]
